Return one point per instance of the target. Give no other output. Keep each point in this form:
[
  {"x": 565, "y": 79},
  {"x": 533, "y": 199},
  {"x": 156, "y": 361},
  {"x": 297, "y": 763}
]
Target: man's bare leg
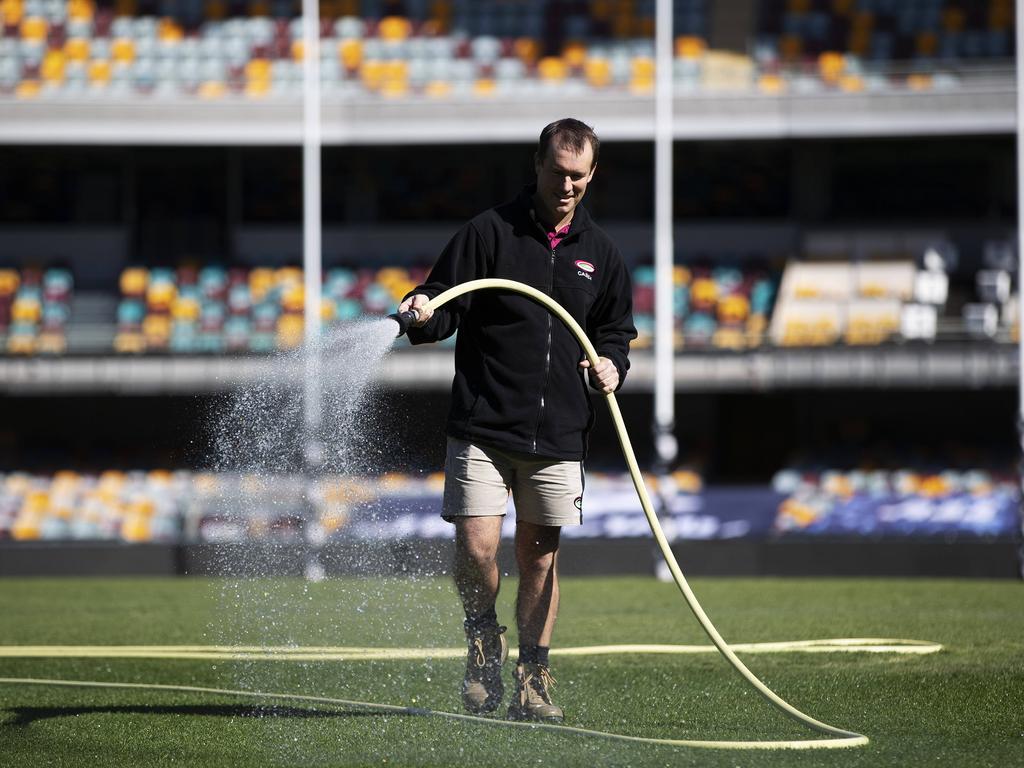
[
  {"x": 536, "y": 611},
  {"x": 478, "y": 579},
  {"x": 537, "y": 601},
  {"x": 476, "y": 562}
]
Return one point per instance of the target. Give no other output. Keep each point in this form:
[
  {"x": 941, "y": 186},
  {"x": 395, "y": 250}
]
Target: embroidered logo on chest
[{"x": 585, "y": 269}]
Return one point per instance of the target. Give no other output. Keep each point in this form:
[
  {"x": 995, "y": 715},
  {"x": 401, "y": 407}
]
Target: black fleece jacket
[{"x": 517, "y": 382}]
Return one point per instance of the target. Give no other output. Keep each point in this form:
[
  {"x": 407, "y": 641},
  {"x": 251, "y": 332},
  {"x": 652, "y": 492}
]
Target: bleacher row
[
  {"x": 35, "y": 308},
  {"x": 191, "y": 506},
  {"x": 213, "y": 309},
  {"x": 261, "y": 310},
  {"x": 226, "y": 310},
  {"x": 220, "y": 49},
  {"x": 882, "y": 30}
]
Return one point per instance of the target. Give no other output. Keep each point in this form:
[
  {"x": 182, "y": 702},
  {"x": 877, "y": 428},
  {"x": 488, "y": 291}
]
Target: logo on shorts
[
  {"x": 585, "y": 269},
  {"x": 578, "y": 501}
]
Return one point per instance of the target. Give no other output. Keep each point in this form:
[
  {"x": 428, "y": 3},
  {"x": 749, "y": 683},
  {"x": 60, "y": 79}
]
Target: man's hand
[
  {"x": 605, "y": 376},
  {"x": 419, "y": 303}
]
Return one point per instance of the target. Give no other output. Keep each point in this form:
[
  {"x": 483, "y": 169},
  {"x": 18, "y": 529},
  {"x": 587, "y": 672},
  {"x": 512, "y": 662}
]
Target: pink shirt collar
[{"x": 556, "y": 236}]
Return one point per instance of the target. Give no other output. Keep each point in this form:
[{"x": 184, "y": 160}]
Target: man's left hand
[{"x": 604, "y": 376}]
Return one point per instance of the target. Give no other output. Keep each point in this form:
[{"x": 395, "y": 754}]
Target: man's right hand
[{"x": 418, "y": 303}]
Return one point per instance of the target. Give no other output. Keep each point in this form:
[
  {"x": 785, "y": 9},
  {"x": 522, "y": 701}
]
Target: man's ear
[
  {"x": 536, "y": 163},
  {"x": 593, "y": 170}
]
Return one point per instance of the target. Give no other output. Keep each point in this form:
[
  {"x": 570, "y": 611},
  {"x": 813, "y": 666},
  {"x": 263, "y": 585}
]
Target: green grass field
[{"x": 959, "y": 707}]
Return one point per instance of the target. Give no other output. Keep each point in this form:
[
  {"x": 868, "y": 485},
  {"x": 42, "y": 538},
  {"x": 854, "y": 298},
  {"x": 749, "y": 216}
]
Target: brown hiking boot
[
  {"x": 482, "y": 687},
  {"x": 532, "y": 700}
]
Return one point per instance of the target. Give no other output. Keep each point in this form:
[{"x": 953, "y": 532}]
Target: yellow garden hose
[{"x": 848, "y": 738}]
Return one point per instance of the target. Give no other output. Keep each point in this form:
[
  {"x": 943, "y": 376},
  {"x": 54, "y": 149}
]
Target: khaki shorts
[{"x": 478, "y": 480}]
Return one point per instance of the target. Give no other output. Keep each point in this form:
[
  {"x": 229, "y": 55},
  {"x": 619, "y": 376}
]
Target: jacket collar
[{"x": 580, "y": 217}]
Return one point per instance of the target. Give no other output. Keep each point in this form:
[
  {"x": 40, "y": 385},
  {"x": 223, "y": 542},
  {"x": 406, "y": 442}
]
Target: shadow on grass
[{"x": 25, "y": 716}]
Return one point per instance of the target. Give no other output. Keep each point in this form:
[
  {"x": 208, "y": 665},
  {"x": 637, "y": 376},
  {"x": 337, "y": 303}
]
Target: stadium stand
[
  {"x": 213, "y": 310},
  {"x": 35, "y": 309},
  {"x": 118, "y": 506},
  {"x": 883, "y": 30},
  {"x": 718, "y": 305},
  {"x": 185, "y": 507},
  {"x": 903, "y": 503},
  {"x": 995, "y": 312},
  {"x": 217, "y": 310},
  {"x": 721, "y": 307},
  {"x": 437, "y": 49}
]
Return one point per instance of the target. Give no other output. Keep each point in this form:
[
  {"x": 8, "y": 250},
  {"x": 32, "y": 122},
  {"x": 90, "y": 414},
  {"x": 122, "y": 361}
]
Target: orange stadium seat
[
  {"x": 552, "y": 69},
  {"x": 690, "y": 47},
  {"x": 597, "y": 71},
  {"x": 34, "y": 28},
  {"x": 77, "y": 49},
  {"x": 99, "y": 72},
  {"x": 52, "y": 68},
  {"x": 9, "y": 281},
  {"x": 394, "y": 28},
  {"x": 123, "y": 49}
]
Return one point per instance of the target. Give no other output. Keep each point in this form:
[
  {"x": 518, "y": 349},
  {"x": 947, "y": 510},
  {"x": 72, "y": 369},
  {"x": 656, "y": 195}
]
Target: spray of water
[{"x": 309, "y": 427}]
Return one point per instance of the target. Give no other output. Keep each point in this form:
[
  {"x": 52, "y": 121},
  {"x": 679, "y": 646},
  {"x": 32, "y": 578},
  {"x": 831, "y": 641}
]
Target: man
[{"x": 520, "y": 410}]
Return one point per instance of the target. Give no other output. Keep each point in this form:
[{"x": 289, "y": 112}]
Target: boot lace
[
  {"x": 536, "y": 682},
  {"x": 479, "y": 652}
]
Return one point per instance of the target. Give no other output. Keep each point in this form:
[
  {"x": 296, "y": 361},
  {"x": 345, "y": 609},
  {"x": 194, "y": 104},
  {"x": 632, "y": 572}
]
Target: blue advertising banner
[{"x": 611, "y": 510}]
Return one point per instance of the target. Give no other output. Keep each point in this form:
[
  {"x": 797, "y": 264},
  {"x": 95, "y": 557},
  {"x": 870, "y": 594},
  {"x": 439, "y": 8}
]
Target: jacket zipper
[{"x": 547, "y": 355}]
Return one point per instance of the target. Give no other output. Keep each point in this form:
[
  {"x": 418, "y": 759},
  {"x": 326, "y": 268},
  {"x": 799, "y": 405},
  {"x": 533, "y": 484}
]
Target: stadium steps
[{"x": 92, "y": 326}]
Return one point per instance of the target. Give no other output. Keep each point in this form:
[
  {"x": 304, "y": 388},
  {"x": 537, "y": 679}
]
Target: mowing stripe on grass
[
  {"x": 332, "y": 653},
  {"x": 829, "y": 743}
]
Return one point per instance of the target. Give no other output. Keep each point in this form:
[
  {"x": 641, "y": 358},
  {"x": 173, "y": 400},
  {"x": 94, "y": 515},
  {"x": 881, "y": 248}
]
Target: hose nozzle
[{"x": 404, "y": 320}]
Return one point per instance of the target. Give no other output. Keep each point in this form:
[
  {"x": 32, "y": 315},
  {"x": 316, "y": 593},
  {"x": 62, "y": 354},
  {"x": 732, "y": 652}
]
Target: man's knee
[
  {"x": 477, "y": 539},
  {"x": 536, "y": 548}
]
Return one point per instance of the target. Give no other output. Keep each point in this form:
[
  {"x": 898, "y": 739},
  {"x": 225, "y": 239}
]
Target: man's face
[{"x": 562, "y": 178}]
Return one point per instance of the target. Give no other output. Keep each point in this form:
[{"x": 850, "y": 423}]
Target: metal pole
[
  {"x": 664, "y": 379},
  {"x": 1019, "y": 24},
  {"x": 311, "y": 224}
]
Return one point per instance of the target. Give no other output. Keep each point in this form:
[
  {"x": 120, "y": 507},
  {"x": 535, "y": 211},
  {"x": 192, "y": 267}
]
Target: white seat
[
  {"x": 188, "y": 48},
  {"x": 213, "y": 70},
  {"x": 211, "y": 47},
  {"x": 56, "y": 10},
  {"x": 349, "y": 27},
  {"x": 259, "y": 30},
  {"x": 509, "y": 69},
  {"x": 146, "y": 47},
  {"x": 145, "y": 26},
  {"x": 373, "y": 48},
  {"x": 79, "y": 28},
  {"x": 31, "y": 52},
  {"x": 418, "y": 47},
  {"x": 10, "y": 72},
  {"x": 121, "y": 26},
  {"x": 419, "y": 72},
  {"x": 486, "y": 49},
  {"x": 167, "y": 71},
  {"x": 236, "y": 51},
  {"x": 463, "y": 71},
  {"x": 442, "y": 47},
  {"x": 99, "y": 48},
  {"x": 167, "y": 50},
  {"x": 144, "y": 73},
  {"x": 394, "y": 49}
]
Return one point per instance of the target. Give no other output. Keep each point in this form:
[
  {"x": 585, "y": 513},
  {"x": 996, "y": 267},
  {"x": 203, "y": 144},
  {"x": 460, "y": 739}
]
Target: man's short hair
[{"x": 568, "y": 133}]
